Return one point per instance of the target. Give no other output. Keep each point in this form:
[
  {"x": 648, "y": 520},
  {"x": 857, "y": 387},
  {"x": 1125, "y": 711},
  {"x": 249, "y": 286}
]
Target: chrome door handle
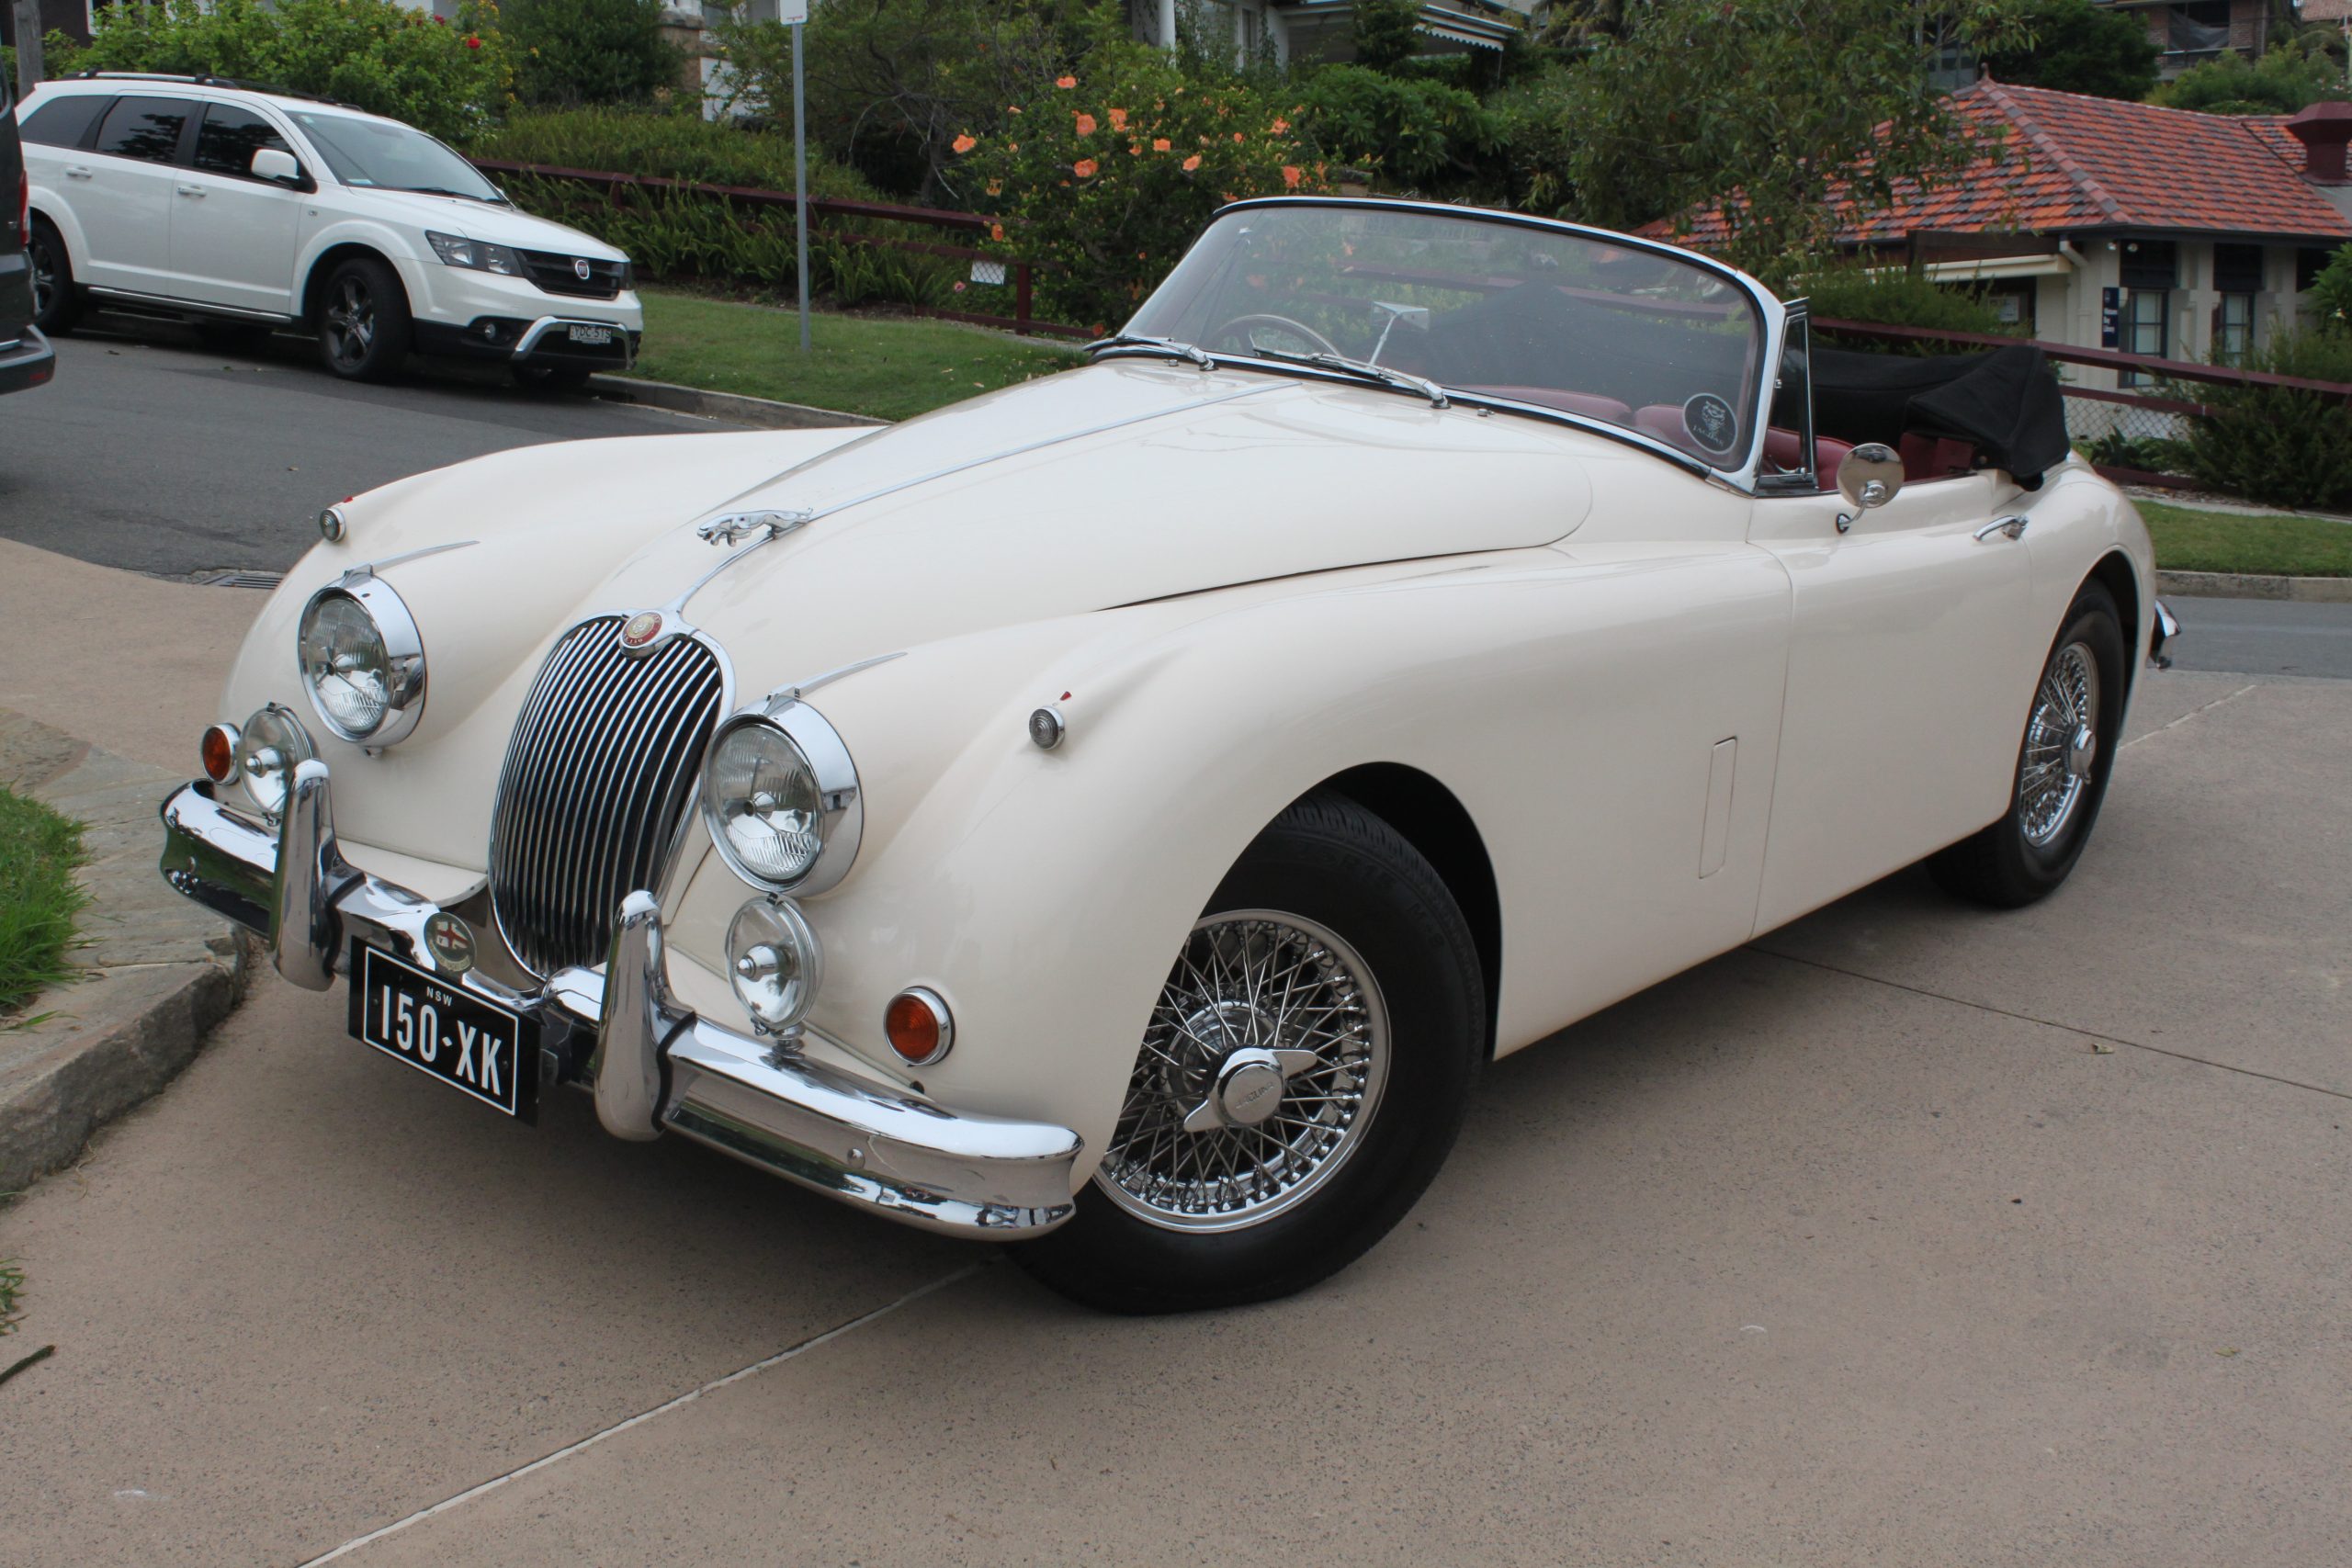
[
  {"x": 77, "y": 174},
  {"x": 195, "y": 191},
  {"x": 2014, "y": 527}
]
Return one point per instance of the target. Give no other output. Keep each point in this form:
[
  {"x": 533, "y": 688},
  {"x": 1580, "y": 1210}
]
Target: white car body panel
[{"x": 1676, "y": 712}]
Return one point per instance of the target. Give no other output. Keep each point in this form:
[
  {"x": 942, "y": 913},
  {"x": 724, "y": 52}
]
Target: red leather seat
[
  {"x": 1782, "y": 448},
  {"x": 1932, "y": 457}
]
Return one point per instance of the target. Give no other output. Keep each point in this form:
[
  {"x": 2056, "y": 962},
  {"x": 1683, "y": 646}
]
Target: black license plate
[
  {"x": 595, "y": 336},
  {"x": 473, "y": 1045}
]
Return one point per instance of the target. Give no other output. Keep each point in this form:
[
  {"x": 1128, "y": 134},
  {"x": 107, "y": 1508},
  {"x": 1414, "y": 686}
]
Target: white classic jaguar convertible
[{"x": 1122, "y": 814}]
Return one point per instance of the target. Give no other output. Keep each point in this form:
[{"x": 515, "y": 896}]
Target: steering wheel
[{"x": 1234, "y": 333}]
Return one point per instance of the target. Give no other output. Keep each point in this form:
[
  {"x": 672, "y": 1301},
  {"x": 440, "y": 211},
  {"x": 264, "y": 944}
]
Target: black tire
[
  {"x": 57, "y": 299},
  {"x": 551, "y": 377},
  {"x": 363, "y": 321},
  {"x": 233, "y": 337},
  {"x": 1328, "y": 862},
  {"x": 2010, "y": 864}
]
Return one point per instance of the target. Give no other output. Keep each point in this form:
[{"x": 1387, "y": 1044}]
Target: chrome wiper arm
[
  {"x": 1174, "y": 348},
  {"x": 1403, "y": 380}
]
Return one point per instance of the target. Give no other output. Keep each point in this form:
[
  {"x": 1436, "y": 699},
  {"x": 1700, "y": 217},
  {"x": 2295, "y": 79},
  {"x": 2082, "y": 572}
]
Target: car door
[
  {"x": 1911, "y": 655},
  {"x": 232, "y": 233},
  {"x": 121, "y": 192}
]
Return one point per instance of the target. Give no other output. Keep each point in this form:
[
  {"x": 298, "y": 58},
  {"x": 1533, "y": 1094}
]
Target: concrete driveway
[{"x": 1910, "y": 1235}]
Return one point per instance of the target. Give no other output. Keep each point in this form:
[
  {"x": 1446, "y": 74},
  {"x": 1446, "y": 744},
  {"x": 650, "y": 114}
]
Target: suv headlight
[
  {"x": 780, "y": 798},
  {"x": 474, "y": 254},
  {"x": 363, "y": 661}
]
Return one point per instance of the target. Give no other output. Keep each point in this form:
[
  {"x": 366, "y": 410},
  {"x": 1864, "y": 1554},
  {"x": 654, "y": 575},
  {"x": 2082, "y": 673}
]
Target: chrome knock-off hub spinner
[{"x": 1248, "y": 1087}]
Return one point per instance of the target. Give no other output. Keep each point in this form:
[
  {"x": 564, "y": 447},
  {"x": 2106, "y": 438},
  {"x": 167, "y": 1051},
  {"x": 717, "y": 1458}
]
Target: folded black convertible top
[{"x": 2005, "y": 401}]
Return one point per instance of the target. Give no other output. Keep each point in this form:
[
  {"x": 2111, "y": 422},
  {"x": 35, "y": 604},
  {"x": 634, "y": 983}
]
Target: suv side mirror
[
  {"x": 276, "y": 165},
  {"x": 1869, "y": 477}
]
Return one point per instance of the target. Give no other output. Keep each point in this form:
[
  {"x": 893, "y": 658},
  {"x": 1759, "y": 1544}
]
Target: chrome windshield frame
[{"x": 1768, "y": 309}]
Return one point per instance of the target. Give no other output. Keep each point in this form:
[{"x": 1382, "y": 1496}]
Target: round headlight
[
  {"x": 362, "y": 661},
  {"x": 774, "y": 962},
  {"x": 780, "y": 799},
  {"x": 269, "y": 747}
]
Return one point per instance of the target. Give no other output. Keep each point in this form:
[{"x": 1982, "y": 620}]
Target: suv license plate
[
  {"x": 596, "y": 336},
  {"x": 473, "y": 1045}
]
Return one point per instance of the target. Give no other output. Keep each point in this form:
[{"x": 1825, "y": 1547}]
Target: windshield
[
  {"x": 1483, "y": 307},
  {"x": 382, "y": 155}
]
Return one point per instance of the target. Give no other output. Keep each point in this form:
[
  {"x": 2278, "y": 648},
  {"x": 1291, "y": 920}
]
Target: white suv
[{"x": 250, "y": 209}]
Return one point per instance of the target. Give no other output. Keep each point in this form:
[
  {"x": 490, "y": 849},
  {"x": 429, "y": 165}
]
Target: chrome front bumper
[{"x": 651, "y": 1064}]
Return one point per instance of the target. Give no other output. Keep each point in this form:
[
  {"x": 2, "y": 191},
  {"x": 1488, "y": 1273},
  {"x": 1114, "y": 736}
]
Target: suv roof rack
[{"x": 195, "y": 81}]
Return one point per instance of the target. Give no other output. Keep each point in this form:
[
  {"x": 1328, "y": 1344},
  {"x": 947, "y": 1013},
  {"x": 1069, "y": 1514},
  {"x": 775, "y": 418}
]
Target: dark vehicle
[{"x": 25, "y": 358}]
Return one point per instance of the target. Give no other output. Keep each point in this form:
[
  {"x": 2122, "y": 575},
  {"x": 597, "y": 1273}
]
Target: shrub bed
[
  {"x": 447, "y": 78},
  {"x": 2282, "y": 448}
]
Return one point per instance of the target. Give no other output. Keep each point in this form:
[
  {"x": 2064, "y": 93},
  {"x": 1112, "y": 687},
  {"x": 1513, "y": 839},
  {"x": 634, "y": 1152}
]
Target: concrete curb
[
  {"x": 158, "y": 971},
  {"x": 2250, "y": 585},
  {"x": 765, "y": 413}
]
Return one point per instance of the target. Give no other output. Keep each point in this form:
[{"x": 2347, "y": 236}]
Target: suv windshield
[
  {"x": 382, "y": 155},
  {"x": 1484, "y": 307}
]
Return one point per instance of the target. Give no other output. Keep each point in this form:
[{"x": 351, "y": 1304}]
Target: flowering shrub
[
  {"x": 448, "y": 78},
  {"x": 1106, "y": 176}
]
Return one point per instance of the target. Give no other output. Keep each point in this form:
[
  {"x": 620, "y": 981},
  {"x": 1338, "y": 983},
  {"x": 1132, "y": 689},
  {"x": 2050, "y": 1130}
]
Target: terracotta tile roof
[{"x": 2057, "y": 162}]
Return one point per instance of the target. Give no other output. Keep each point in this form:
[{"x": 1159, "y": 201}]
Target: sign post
[{"x": 794, "y": 13}]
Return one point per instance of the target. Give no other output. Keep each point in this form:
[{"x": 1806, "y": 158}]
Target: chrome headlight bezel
[
  {"x": 842, "y": 819},
  {"x": 403, "y": 657}
]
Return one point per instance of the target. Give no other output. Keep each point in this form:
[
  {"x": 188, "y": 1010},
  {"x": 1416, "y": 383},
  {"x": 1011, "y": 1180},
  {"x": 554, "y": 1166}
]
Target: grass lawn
[
  {"x": 38, "y": 851},
  {"x": 2190, "y": 540},
  {"x": 883, "y": 367}
]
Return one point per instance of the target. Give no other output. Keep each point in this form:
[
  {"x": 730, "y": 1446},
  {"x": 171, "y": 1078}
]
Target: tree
[
  {"x": 1578, "y": 25},
  {"x": 1768, "y": 106},
  {"x": 893, "y": 83},
  {"x": 2078, "y": 47},
  {"x": 1385, "y": 35},
  {"x": 2292, "y": 75},
  {"x": 571, "y": 52}
]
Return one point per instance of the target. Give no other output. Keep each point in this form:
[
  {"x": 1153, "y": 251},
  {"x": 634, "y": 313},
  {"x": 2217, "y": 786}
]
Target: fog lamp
[
  {"x": 271, "y": 746},
  {"x": 774, "y": 963}
]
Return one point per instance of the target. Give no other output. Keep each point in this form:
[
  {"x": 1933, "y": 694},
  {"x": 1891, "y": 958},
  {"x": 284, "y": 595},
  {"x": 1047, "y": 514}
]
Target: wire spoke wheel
[
  {"x": 2060, "y": 745},
  {"x": 1260, "y": 1074}
]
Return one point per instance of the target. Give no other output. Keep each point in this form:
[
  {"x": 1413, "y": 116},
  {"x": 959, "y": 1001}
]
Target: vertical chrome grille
[{"x": 600, "y": 770}]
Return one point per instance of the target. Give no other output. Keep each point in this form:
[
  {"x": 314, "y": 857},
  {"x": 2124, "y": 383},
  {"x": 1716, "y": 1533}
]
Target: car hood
[
  {"x": 1108, "y": 486},
  {"x": 492, "y": 225}
]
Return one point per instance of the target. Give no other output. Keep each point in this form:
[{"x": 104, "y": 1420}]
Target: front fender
[
  {"x": 537, "y": 549},
  {"x": 1044, "y": 894}
]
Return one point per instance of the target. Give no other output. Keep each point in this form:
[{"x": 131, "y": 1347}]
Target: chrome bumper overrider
[{"x": 651, "y": 1064}]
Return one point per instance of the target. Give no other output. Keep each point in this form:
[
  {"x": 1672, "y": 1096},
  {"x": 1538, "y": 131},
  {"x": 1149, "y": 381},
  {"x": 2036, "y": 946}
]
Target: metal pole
[
  {"x": 800, "y": 176},
  {"x": 28, "y": 60}
]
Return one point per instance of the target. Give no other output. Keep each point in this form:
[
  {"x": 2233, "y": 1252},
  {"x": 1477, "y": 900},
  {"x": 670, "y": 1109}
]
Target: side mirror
[
  {"x": 1869, "y": 477},
  {"x": 276, "y": 165}
]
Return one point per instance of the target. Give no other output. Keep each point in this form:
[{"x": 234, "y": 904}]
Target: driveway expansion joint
[
  {"x": 546, "y": 1460},
  {"x": 2072, "y": 1029}
]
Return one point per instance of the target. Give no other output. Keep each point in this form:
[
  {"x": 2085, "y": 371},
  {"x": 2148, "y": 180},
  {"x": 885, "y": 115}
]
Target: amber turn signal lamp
[
  {"x": 919, "y": 1026},
  {"x": 219, "y": 751}
]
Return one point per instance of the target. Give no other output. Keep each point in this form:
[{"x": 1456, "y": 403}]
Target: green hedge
[
  {"x": 679, "y": 145},
  {"x": 2286, "y": 448}
]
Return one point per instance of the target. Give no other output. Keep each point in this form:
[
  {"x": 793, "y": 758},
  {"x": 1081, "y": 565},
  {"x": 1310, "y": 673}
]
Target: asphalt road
[
  {"x": 151, "y": 454},
  {"x": 2263, "y": 637}
]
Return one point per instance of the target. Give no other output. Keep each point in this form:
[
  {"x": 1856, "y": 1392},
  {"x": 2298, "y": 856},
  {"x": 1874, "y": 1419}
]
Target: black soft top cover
[{"x": 2005, "y": 401}]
